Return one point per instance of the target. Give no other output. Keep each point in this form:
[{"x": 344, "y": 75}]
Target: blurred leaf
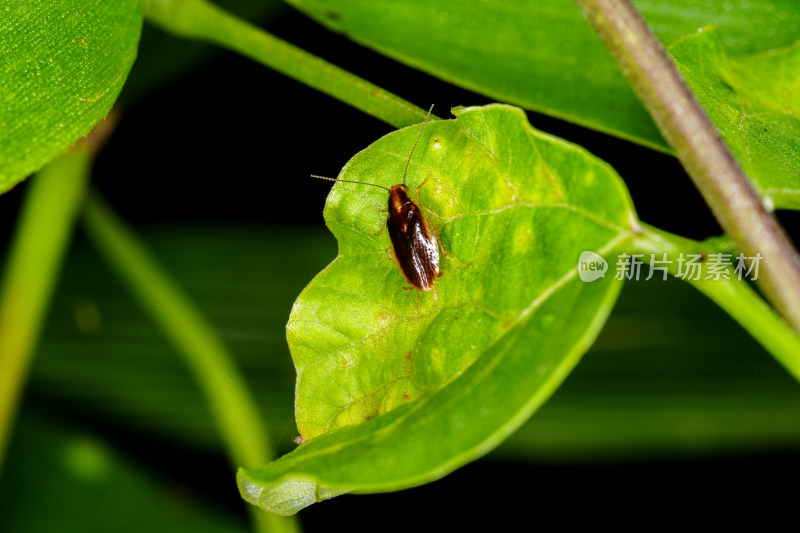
[
  {"x": 395, "y": 390},
  {"x": 543, "y": 55},
  {"x": 753, "y": 101},
  {"x": 102, "y": 354},
  {"x": 68, "y": 481},
  {"x": 62, "y": 65},
  {"x": 33, "y": 264}
]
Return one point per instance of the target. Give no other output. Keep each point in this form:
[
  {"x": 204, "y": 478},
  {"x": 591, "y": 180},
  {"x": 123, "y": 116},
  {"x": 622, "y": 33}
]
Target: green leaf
[
  {"x": 62, "y": 65},
  {"x": 396, "y": 389},
  {"x": 753, "y": 101},
  {"x": 543, "y": 55}
]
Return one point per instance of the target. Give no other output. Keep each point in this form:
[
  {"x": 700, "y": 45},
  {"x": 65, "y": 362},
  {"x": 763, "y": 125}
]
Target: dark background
[{"x": 221, "y": 139}]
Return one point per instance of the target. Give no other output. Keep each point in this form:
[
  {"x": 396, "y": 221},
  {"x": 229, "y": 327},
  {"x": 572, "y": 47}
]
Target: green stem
[
  {"x": 704, "y": 155},
  {"x": 735, "y": 297},
  {"x": 232, "y": 406},
  {"x": 34, "y": 261},
  {"x": 198, "y": 19}
]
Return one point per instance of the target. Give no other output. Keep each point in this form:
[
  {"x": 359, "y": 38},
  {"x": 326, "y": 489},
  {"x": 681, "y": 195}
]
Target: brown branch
[{"x": 706, "y": 158}]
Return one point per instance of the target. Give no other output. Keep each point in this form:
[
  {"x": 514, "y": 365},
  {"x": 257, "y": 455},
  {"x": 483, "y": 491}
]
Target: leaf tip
[{"x": 283, "y": 498}]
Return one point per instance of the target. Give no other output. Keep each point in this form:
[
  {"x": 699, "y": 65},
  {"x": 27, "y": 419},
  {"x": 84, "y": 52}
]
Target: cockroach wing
[{"x": 415, "y": 248}]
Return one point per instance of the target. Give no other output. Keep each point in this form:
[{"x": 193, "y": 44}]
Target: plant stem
[
  {"x": 702, "y": 152},
  {"x": 733, "y": 296},
  {"x": 43, "y": 233},
  {"x": 199, "y": 19},
  {"x": 233, "y": 408}
]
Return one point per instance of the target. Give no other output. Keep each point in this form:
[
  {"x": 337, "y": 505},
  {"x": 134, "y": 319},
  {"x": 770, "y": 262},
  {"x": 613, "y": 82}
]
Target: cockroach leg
[
  {"x": 451, "y": 258},
  {"x": 434, "y": 213},
  {"x": 419, "y": 295},
  {"x": 383, "y": 226},
  {"x": 441, "y": 246},
  {"x": 421, "y": 184},
  {"x": 429, "y": 210}
]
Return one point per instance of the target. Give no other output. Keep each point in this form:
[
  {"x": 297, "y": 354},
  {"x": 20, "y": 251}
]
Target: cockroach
[{"x": 416, "y": 248}]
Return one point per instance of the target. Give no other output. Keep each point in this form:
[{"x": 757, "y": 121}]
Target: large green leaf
[
  {"x": 543, "y": 55},
  {"x": 395, "y": 389},
  {"x": 754, "y": 102},
  {"x": 62, "y": 65}
]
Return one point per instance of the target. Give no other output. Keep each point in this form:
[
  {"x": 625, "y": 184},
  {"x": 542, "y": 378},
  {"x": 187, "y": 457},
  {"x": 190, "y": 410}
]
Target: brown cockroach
[{"x": 416, "y": 248}]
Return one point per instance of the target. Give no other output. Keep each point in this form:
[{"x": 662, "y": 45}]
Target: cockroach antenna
[
  {"x": 349, "y": 181},
  {"x": 415, "y": 143}
]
